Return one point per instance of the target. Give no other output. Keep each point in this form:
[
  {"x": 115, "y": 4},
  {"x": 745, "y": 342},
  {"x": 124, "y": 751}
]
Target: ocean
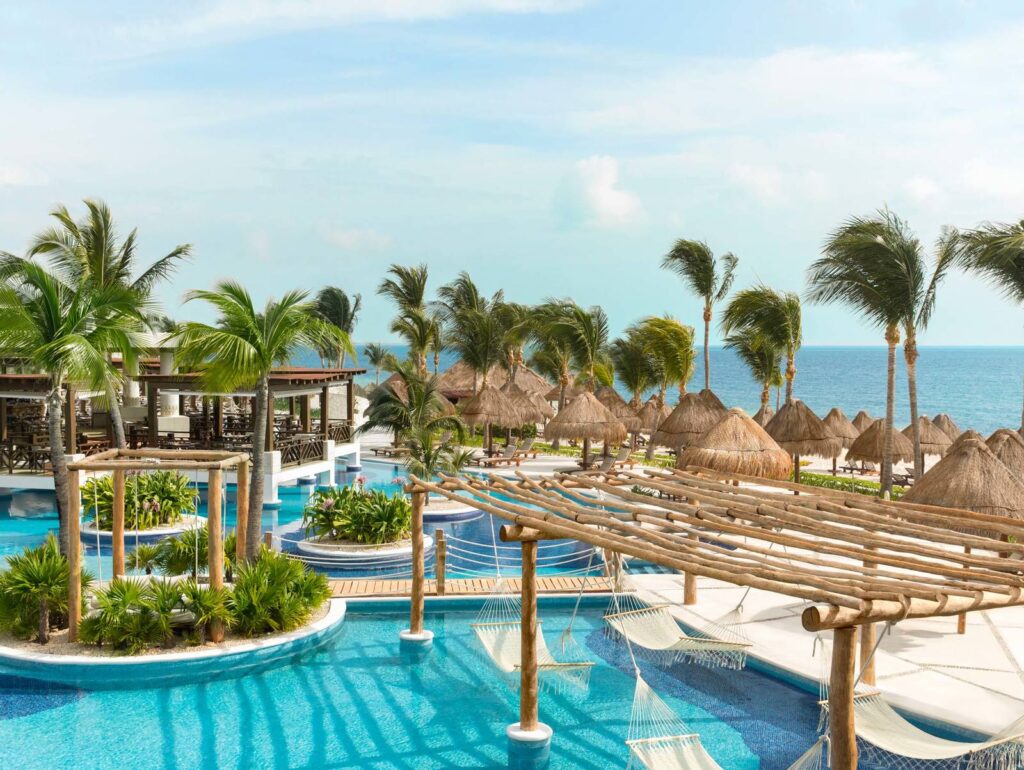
[{"x": 980, "y": 387}]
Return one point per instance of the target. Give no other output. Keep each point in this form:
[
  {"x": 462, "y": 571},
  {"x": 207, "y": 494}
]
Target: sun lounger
[
  {"x": 508, "y": 457},
  {"x": 389, "y": 451},
  {"x": 527, "y": 450},
  {"x": 623, "y": 459}
]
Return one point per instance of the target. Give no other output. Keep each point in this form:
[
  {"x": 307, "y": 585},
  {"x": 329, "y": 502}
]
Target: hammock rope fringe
[{"x": 659, "y": 739}]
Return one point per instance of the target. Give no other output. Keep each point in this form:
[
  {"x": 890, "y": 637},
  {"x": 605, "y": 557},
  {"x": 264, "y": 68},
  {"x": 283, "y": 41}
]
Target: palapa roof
[
  {"x": 713, "y": 400},
  {"x": 617, "y": 405},
  {"x": 867, "y": 447},
  {"x": 841, "y": 427},
  {"x": 971, "y": 477},
  {"x": 763, "y": 415},
  {"x": 586, "y": 417},
  {"x": 737, "y": 444},
  {"x": 693, "y": 415},
  {"x": 521, "y": 400},
  {"x": 800, "y": 431},
  {"x": 571, "y": 391},
  {"x": 650, "y": 415},
  {"x": 491, "y": 407},
  {"x": 396, "y": 384},
  {"x": 863, "y": 420},
  {"x": 457, "y": 380},
  {"x": 945, "y": 423},
  {"x": 1008, "y": 446},
  {"x": 967, "y": 434},
  {"x": 934, "y": 440}
]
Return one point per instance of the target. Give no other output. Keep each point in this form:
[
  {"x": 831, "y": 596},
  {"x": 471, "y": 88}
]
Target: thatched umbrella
[
  {"x": 713, "y": 400},
  {"x": 571, "y": 392},
  {"x": 967, "y": 434},
  {"x": 692, "y": 416},
  {"x": 650, "y": 415},
  {"x": 617, "y": 405},
  {"x": 491, "y": 407},
  {"x": 1008, "y": 446},
  {"x": 945, "y": 423},
  {"x": 763, "y": 415},
  {"x": 588, "y": 419},
  {"x": 842, "y": 429},
  {"x": 867, "y": 447},
  {"x": 934, "y": 440},
  {"x": 543, "y": 407},
  {"x": 863, "y": 420},
  {"x": 800, "y": 431},
  {"x": 737, "y": 444},
  {"x": 521, "y": 400}
]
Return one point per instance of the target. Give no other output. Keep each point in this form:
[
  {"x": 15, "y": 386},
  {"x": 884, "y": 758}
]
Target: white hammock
[
  {"x": 659, "y": 739},
  {"x": 654, "y": 629}
]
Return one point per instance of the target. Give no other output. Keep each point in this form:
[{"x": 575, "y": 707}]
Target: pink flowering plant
[
  {"x": 352, "y": 514},
  {"x": 152, "y": 499}
]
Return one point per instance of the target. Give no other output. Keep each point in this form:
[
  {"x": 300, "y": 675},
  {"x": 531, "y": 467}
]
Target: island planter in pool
[
  {"x": 157, "y": 505},
  {"x": 175, "y": 668}
]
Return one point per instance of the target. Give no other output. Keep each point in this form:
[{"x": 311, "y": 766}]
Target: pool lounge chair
[
  {"x": 623, "y": 458},
  {"x": 390, "y": 451},
  {"x": 505, "y": 458},
  {"x": 527, "y": 450}
]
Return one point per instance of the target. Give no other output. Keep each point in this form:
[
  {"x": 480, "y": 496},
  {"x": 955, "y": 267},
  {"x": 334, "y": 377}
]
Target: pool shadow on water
[{"x": 21, "y": 697}]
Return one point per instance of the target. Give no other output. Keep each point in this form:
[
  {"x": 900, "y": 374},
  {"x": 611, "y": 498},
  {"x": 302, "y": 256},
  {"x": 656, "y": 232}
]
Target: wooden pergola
[
  {"x": 120, "y": 462},
  {"x": 856, "y": 560}
]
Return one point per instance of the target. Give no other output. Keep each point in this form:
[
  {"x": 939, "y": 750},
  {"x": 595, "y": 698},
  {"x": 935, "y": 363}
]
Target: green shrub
[
  {"x": 34, "y": 591},
  {"x": 275, "y": 593},
  {"x": 125, "y": 617},
  {"x": 207, "y": 605},
  {"x": 154, "y": 499},
  {"x": 360, "y": 516},
  {"x": 844, "y": 484}
]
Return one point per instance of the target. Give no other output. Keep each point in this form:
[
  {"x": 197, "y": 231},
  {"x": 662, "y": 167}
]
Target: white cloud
[
  {"x": 20, "y": 176},
  {"x": 357, "y": 239},
  {"x": 594, "y": 196},
  {"x": 922, "y": 188},
  {"x": 259, "y": 245}
]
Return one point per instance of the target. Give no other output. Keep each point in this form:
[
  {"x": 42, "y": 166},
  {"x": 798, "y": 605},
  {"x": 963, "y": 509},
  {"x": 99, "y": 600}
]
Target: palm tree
[
  {"x": 552, "y": 358},
  {"x": 422, "y": 409},
  {"x": 762, "y": 359},
  {"x": 420, "y": 330},
  {"x": 335, "y": 307},
  {"x": 88, "y": 252},
  {"x": 772, "y": 318},
  {"x": 66, "y": 330},
  {"x": 584, "y": 333},
  {"x": 407, "y": 287},
  {"x": 886, "y": 278},
  {"x": 476, "y": 336},
  {"x": 695, "y": 263},
  {"x": 242, "y": 349},
  {"x": 634, "y": 367},
  {"x": 380, "y": 358},
  {"x": 670, "y": 344}
]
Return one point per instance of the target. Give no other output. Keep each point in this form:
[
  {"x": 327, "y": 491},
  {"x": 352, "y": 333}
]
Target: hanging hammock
[
  {"x": 654, "y": 629},
  {"x": 658, "y": 739}
]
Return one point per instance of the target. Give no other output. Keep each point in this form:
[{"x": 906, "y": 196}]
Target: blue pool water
[{"x": 359, "y": 704}]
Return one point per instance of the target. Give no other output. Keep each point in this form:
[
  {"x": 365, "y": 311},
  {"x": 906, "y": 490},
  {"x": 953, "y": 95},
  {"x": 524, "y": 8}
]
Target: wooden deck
[{"x": 551, "y": 584}]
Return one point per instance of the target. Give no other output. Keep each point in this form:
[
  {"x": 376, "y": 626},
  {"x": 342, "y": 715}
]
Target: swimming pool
[{"x": 359, "y": 703}]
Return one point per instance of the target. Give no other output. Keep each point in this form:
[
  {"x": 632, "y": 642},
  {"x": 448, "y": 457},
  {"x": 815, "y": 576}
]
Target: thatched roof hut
[
  {"x": 457, "y": 381},
  {"x": 967, "y": 434},
  {"x": 737, "y": 444},
  {"x": 586, "y": 418},
  {"x": 571, "y": 391},
  {"x": 1008, "y": 446},
  {"x": 521, "y": 400},
  {"x": 617, "y": 405},
  {"x": 650, "y": 415},
  {"x": 841, "y": 427},
  {"x": 543, "y": 407},
  {"x": 714, "y": 401},
  {"x": 763, "y": 415},
  {"x": 801, "y": 432},
  {"x": 934, "y": 440},
  {"x": 867, "y": 447},
  {"x": 693, "y": 415},
  {"x": 863, "y": 420},
  {"x": 396, "y": 385},
  {"x": 491, "y": 407},
  {"x": 945, "y": 423},
  {"x": 971, "y": 476}
]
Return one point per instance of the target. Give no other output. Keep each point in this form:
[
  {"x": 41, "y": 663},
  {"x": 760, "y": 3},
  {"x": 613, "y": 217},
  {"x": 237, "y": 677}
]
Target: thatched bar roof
[
  {"x": 457, "y": 380},
  {"x": 737, "y": 444},
  {"x": 491, "y": 407},
  {"x": 867, "y": 447},
  {"x": 841, "y": 427},
  {"x": 714, "y": 401},
  {"x": 693, "y": 415},
  {"x": 571, "y": 391},
  {"x": 650, "y": 415},
  {"x": 586, "y": 418},
  {"x": 528, "y": 411},
  {"x": 800, "y": 431}
]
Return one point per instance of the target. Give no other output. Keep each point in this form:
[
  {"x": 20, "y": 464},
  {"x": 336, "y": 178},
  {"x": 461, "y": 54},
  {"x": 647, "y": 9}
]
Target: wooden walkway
[{"x": 551, "y": 584}]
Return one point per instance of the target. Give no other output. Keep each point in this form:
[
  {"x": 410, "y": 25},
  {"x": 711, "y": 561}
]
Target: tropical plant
[
  {"x": 477, "y": 337},
  {"x": 583, "y": 333},
  {"x": 152, "y": 499},
  {"x": 242, "y": 349},
  {"x": 66, "y": 330},
  {"x": 145, "y": 557},
  {"x": 421, "y": 332},
  {"x": 124, "y": 617},
  {"x": 336, "y": 308},
  {"x": 406, "y": 287},
  {"x": 34, "y": 590},
  {"x": 772, "y": 319},
  {"x": 430, "y": 454},
  {"x": 380, "y": 358},
  {"x": 876, "y": 266},
  {"x": 208, "y": 605},
  {"x": 762, "y": 359},
  {"x": 167, "y": 604},
  {"x": 552, "y": 358},
  {"x": 274, "y": 593},
  {"x": 187, "y": 553},
  {"x": 670, "y": 344},
  {"x": 697, "y": 265},
  {"x": 634, "y": 367},
  {"x": 360, "y": 516},
  {"x": 421, "y": 407}
]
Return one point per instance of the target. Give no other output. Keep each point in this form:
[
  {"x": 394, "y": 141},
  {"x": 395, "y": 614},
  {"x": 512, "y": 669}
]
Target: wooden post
[
  {"x": 268, "y": 540},
  {"x": 305, "y": 414},
  {"x": 70, "y": 421},
  {"x": 3, "y": 419},
  {"x": 961, "y": 619},
  {"x": 868, "y": 638},
  {"x": 350, "y": 402},
  {"x": 74, "y": 511},
  {"x": 241, "y": 510},
  {"x": 325, "y": 413},
  {"x": 690, "y": 582},
  {"x": 528, "y": 683},
  {"x": 416, "y": 606},
  {"x": 441, "y": 560},
  {"x": 291, "y": 406},
  {"x": 117, "y": 530},
  {"x": 215, "y": 542},
  {"x": 152, "y": 416},
  {"x": 842, "y": 737}
]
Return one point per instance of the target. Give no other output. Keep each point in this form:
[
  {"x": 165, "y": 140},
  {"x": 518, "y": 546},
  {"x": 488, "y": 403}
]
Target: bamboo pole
[
  {"x": 961, "y": 619},
  {"x": 690, "y": 583},
  {"x": 868, "y": 636},
  {"x": 416, "y": 600},
  {"x": 215, "y": 542},
  {"x": 268, "y": 540},
  {"x": 441, "y": 561},
  {"x": 242, "y": 511},
  {"x": 528, "y": 682},
  {"x": 842, "y": 736},
  {"x": 117, "y": 530},
  {"x": 74, "y": 512}
]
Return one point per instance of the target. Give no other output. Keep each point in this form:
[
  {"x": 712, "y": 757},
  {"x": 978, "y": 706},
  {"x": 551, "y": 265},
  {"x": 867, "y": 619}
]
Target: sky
[{"x": 549, "y": 147}]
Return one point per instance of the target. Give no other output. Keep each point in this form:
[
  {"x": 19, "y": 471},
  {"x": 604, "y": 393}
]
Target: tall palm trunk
[
  {"x": 376, "y": 373},
  {"x": 790, "y": 373},
  {"x": 910, "y": 356},
  {"x": 563, "y": 384},
  {"x": 707, "y": 346},
  {"x": 259, "y": 444},
  {"x": 54, "y": 418},
  {"x": 437, "y": 361},
  {"x": 116, "y": 420},
  {"x": 766, "y": 395},
  {"x": 649, "y": 454},
  {"x": 43, "y": 632},
  {"x": 892, "y": 339}
]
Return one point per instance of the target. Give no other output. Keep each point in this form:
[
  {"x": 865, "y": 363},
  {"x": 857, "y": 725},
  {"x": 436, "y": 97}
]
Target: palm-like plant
[
  {"x": 708, "y": 277},
  {"x": 406, "y": 287},
  {"x": 584, "y": 333},
  {"x": 762, "y": 359},
  {"x": 476, "y": 336},
  {"x": 89, "y": 253},
  {"x": 66, "y": 330},
  {"x": 242, "y": 349},
  {"x": 421, "y": 410},
  {"x": 670, "y": 344},
  {"x": 875, "y": 265},
  {"x": 772, "y": 319},
  {"x": 380, "y": 358},
  {"x": 634, "y": 367},
  {"x": 420, "y": 330},
  {"x": 34, "y": 587},
  {"x": 552, "y": 358},
  {"x": 335, "y": 307}
]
